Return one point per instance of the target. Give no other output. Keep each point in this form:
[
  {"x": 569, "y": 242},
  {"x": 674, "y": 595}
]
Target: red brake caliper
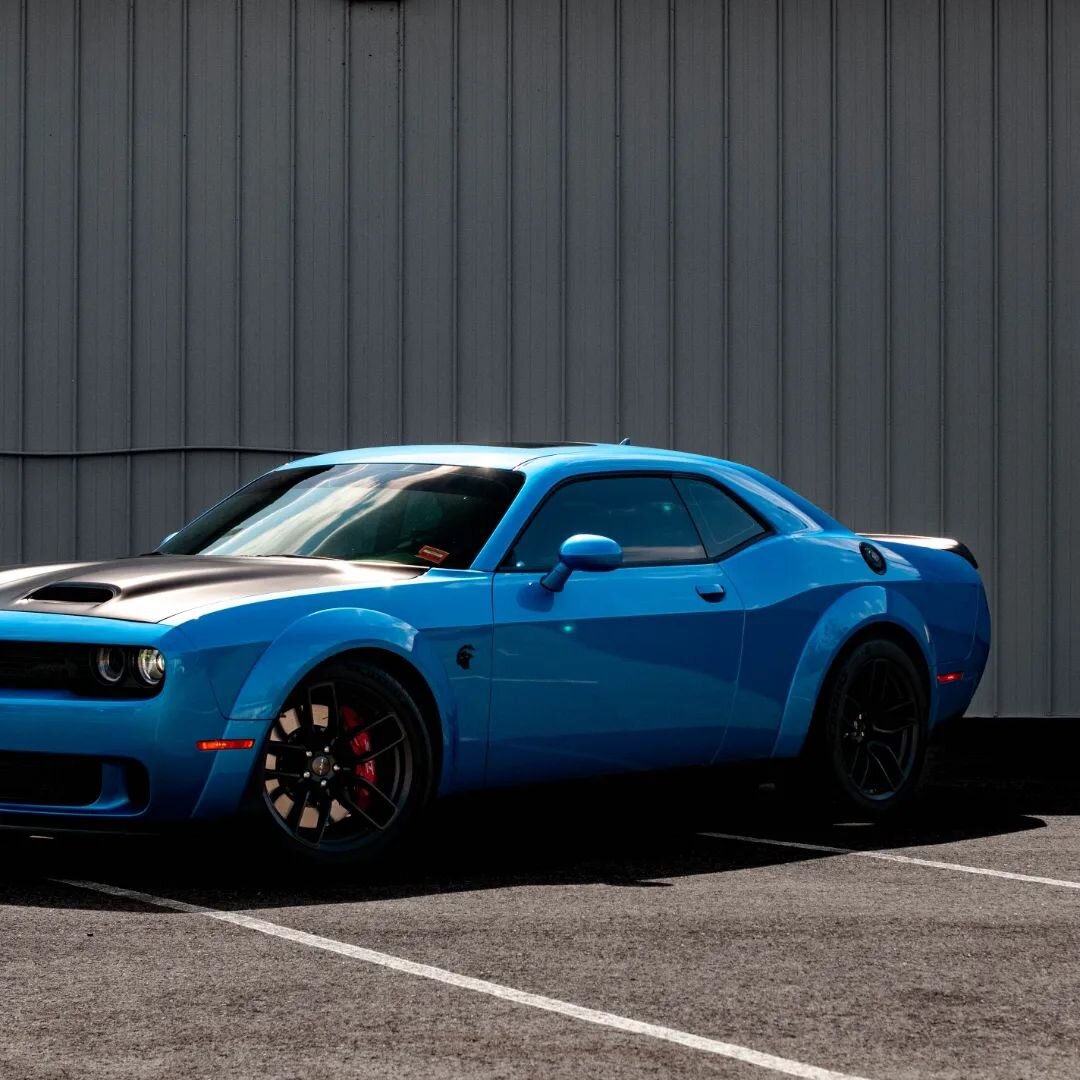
[{"x": 360, "y": 743}]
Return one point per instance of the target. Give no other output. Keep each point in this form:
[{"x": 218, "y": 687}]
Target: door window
[
  {"x": 724, "y": 524},
  {"x": 643, "y": 514}
]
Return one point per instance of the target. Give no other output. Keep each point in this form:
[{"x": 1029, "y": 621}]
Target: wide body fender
[
  {"x": 300, "y": 648},
  {"x": 847, "y": 616}
]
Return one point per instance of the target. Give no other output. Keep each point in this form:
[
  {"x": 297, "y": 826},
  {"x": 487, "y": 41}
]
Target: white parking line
[
  {"x": 888, "y": 856},
  {"x": 481, "y": 986}
]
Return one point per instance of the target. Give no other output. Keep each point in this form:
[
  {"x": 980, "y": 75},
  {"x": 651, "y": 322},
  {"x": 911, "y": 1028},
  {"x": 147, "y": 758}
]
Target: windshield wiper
[
  {"x": 385, "y": 562},
  {"x": 337, "y": 558},
  {"x": 282, "y": 555}
]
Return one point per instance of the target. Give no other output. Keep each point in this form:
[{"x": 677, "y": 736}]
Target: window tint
[
  {"x": 722, "y": 522},
  {"x": 644, "y": 514},
  {"x": 415, "y": 515}
]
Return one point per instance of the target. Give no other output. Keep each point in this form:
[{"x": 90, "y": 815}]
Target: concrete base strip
[
  {"x": 888, "y": 856},
  {"x": 481, "y": 986}
]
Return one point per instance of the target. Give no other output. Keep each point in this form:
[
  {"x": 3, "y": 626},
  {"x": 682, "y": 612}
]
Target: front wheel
[
  {"x": 346, "y": 766},
  {"x": 869, "y": 742}
]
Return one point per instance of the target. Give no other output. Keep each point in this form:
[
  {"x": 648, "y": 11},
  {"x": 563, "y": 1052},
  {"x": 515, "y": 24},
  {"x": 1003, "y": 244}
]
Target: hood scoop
[{"x": 74, "y": 592}]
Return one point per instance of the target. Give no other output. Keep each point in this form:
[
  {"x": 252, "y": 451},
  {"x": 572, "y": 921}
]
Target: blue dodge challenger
[{"x": 353, "y": 634}]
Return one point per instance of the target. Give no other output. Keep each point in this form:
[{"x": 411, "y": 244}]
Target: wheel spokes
[
  {"x": 876, "y": 678},
  {"x": 324, "y": 819},
  {"x": 285, "y": 747},
  {"x": 852, "y": 706},
  {"x": 859, "y": 759},
  {"x": 888, "y": 764},
  {"x": 897, "y": 718},
  {"x": 373, "y": 725},
  {"x": 280, "y": 774},
  {"x": 296, "y": 811},
  {"x": 323, "y": 704},
  {"x": 319, "y": 772},
  {"x": 371, "y": 755},
  {"x": 381, "y": 809},
  {"x": 878, "y": 729},
  {"x": 386, "y": 726}
]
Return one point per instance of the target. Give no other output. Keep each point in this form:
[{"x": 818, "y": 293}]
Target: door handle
[{"x": 712, "y": 593}]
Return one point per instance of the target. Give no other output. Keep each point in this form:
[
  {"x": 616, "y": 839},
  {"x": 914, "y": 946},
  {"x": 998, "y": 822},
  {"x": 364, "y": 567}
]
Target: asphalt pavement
[{"x": 654, "y": 926}]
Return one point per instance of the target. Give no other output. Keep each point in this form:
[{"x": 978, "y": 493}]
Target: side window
[
  {"x": 643, "y": 514},
  {"x": 723, "y": 523}
]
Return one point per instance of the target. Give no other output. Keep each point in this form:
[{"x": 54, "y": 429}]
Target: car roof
[
  {"x": 552, "y": 462},
  {"x": 527, "y": 456}
]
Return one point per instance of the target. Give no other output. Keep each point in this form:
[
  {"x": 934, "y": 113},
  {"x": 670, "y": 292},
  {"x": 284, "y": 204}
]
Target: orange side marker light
[{"x": 225, "y": 744}]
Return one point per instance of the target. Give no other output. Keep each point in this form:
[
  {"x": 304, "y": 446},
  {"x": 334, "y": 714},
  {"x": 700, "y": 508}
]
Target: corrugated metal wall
[{"x": 839, "y": 240}]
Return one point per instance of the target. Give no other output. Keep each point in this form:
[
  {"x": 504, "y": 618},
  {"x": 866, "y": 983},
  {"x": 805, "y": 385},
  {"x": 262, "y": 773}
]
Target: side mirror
[
  {"x": 582, "y": 551},
  {"x": 168, "y": 538}
]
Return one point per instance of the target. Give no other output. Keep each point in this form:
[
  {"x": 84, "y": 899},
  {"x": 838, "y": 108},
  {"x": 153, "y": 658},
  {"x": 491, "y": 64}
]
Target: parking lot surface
[{"x": 646, "y": 927}]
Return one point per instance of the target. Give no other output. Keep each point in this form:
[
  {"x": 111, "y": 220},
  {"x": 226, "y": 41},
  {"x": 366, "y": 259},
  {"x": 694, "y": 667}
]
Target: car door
[{"x": 629, "y": 669}]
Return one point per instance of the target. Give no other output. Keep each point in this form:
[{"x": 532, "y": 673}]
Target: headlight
[
  {"x": 127, "y": 672},
  {"x": 150, "y": 666},
  {"x": 109, "y": 664}
]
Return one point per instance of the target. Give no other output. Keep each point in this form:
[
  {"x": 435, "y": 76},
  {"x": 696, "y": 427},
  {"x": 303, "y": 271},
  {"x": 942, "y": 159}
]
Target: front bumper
[{"x": 150, "y": 770}]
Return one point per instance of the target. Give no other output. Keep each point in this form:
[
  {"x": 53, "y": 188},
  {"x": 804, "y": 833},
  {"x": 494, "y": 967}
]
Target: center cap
[{"x": 322, "y": 765}]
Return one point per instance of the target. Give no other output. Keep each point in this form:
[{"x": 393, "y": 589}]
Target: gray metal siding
[{"x": 837, "y": 239}]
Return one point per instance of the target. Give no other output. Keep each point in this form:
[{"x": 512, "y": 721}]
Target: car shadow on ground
[{"x": 633, "y": 832}]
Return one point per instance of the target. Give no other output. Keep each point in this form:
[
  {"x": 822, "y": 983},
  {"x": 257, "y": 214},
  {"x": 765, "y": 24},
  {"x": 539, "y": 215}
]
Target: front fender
[
  {"x": 317, "y": 637},
  {"x": 298, "y": 649},
  {"x": 846, "y": 617}
]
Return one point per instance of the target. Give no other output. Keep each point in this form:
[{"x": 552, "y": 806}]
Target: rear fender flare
[{"x": 849, "y": 615}]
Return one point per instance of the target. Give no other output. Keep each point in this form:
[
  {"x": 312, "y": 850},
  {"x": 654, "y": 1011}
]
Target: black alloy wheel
[
  {"x": 873, "y": 728},
  {"x": 346, "y": 765}
]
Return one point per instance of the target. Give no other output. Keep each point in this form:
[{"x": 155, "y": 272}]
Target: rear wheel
[
  {"x": 346, "y": 766},
  {"x": 869, "y": 742}
]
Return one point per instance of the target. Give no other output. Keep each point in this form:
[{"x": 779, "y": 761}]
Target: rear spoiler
[{"x": 938, "y": 543}]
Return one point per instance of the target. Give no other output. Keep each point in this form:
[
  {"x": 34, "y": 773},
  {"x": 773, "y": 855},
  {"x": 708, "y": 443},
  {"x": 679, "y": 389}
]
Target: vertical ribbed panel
[
  {"x": 429, "y": 217},
  {"x": 1063, "y": 351},
  {"x": 103, "y": 244},
  {"x": 970, "y": 466},
  {"x": 591, "y": 147},
  {"x": 536, "y": 256},
  {"x": 212, "y": 279},
  {"x": 645, "y": 85},
  {"x": 860, "y": 272},
  {"x": 372, "y": 224},
  {"x": 835, "y": 239},
  {"x": 914, "y": 269},
  {"x": 13, "y": 44},
  {"x": 50, "y": 265},
  {"x": 1022, "y": 598},
  {"x": 699, "y": 237},
  {"x": 481, "y": 263},
  {"x": 806, "y": 185},
  {"x": 156, "y": 392},
  {"x": 754, "y": 232}
]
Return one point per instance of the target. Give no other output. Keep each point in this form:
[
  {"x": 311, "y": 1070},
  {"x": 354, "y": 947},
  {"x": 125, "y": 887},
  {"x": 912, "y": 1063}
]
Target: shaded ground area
[{"x": 606, "y": 895}]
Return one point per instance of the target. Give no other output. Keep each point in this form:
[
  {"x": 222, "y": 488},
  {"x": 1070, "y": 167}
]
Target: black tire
[
  {"x": 345, "y": 769},
  {"x": 867, "y": 749}
]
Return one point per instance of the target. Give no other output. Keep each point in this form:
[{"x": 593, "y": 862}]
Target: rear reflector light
[
  {"x": 950, "y": 676},
  {"x": 225, "y": 744}
]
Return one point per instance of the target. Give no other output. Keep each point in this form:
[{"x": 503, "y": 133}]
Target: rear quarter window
[{"x": 724, "y": 524}]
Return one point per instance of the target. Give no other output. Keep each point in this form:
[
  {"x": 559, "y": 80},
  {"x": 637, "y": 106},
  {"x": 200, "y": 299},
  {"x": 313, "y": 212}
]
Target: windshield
[{"x": 414, "y": 515}]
